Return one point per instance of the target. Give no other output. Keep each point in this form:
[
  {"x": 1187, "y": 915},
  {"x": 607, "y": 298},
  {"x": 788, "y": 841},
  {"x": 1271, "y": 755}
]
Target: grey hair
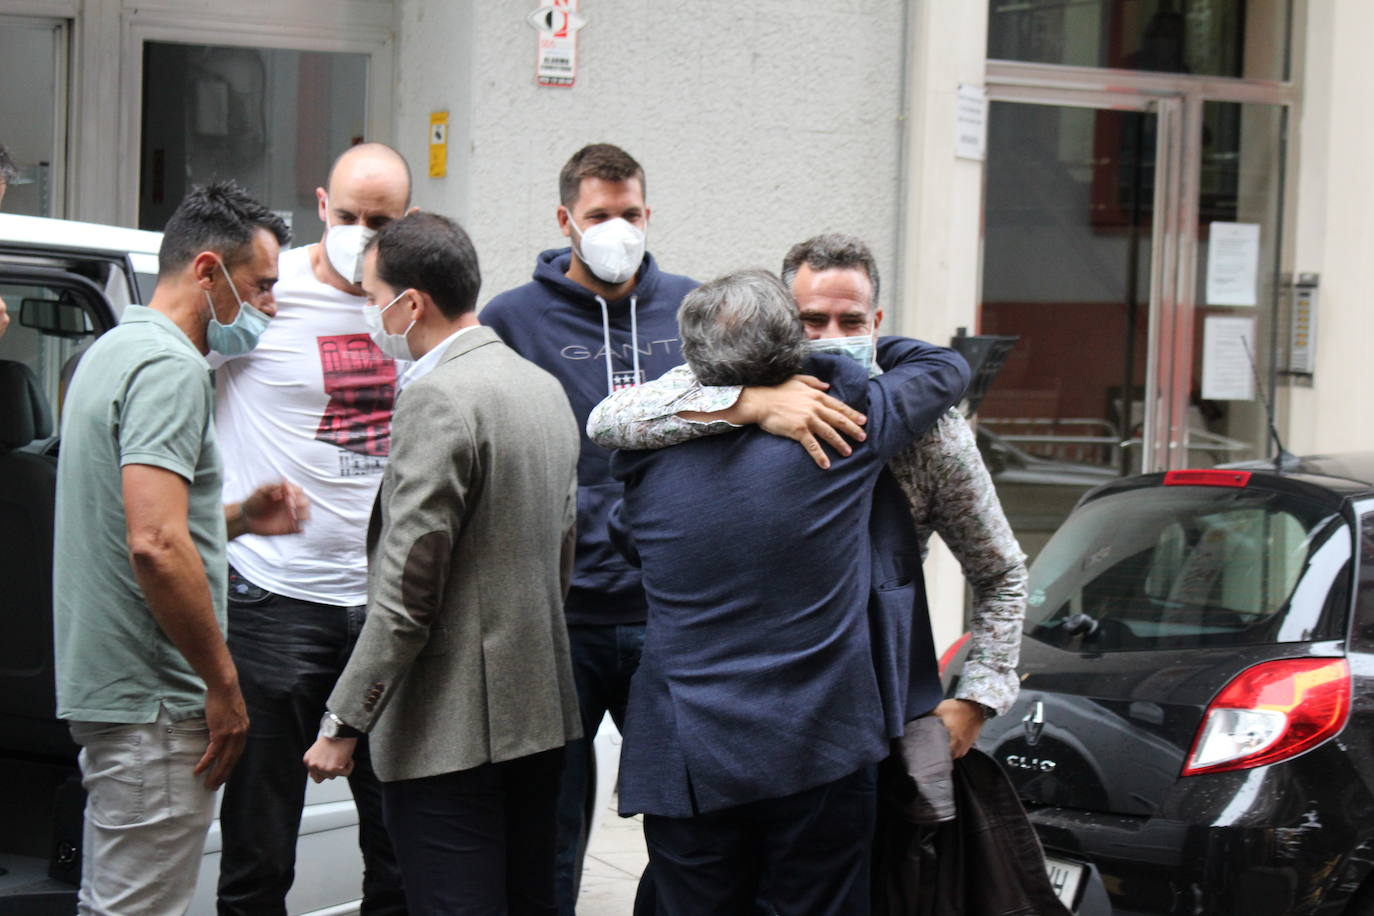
[
  {"x": 742, "y": 329},
  {"x": 831, "y": 251}
]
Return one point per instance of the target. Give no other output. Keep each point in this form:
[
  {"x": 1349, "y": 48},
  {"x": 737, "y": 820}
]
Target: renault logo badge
[{"x": 1034, "y": 723}]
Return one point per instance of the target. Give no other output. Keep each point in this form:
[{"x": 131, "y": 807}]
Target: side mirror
[{"x": 57, "y": 319}]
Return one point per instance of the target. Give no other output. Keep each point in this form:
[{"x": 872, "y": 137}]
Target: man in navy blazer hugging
[{"x": 756, "y": 715}]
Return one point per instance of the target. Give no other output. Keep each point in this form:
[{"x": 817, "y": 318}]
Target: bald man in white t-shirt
[{"x": 311, "y": 404}]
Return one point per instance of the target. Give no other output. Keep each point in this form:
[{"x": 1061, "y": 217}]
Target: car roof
[
  {"x": 1330, "y": 479},
  {"x": 75, "y": 236}
]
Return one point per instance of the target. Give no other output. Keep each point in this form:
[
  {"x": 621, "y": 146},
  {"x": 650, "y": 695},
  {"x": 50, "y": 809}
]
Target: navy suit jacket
[
  {"x": 903, "y": 645},
  {"x": 758, "y": 675},
  {"x": 899, "y": 619}
]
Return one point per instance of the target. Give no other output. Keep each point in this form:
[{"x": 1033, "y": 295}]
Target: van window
[
  {"x": 1183, "y": 567},
  {"x": 51, "y": 356}
]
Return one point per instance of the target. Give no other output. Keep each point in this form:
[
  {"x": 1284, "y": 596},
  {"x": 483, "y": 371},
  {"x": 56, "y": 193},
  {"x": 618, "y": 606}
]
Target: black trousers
[
  {"x": 478, "y": 842},
  {"x": 805, "y": 854},
  {"x": 604, "y": 659},
  {"x": 289, "y": 653}
]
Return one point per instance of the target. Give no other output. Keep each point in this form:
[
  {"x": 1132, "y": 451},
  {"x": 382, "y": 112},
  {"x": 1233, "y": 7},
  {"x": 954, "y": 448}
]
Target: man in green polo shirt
[{"x": 143, "y": 674}]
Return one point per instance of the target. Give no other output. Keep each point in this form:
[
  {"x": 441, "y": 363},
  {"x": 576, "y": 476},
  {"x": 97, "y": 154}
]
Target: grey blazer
[{"x": 464, "y": 659}]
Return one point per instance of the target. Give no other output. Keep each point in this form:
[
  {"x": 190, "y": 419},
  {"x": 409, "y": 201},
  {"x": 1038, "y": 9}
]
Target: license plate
[{"x": 1065, "y": 876}]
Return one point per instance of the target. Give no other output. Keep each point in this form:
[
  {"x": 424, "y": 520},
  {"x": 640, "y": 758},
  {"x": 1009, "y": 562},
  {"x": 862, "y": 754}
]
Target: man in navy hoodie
[{"x": 600, "y": 316}]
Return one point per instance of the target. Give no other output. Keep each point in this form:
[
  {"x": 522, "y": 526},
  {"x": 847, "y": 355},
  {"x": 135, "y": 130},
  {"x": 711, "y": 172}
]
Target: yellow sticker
[{"x": 438, "y": 144}]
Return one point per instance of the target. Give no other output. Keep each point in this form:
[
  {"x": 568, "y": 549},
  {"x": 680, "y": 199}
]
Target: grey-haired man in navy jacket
[{"x": 756, "y": 714}]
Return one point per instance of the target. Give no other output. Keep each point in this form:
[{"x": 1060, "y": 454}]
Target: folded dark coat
[{"x": 985, "y": 862}]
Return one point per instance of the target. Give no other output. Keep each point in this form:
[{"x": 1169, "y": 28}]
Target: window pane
[
  {"x": 1238, "y": 38},
  {"x": 49, "y": 327},
  {"x": 1241, "y": 182},
  {"x": 29, "y": 53},
  {"x": 272, "y": 120},
  {"x": 1185, "y": 567},
  {"x": 1068, "y": 222}
]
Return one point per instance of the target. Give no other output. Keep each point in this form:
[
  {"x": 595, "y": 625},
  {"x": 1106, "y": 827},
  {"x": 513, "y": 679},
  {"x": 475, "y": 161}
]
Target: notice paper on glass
[
  {"x": 1233, "y": 263},
  {"x": 1227, "y": 347}
]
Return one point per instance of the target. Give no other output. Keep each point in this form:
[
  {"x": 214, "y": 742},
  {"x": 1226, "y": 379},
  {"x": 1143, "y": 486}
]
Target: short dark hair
[
  {"x": 219, "y": 217},
  {"x": 829, "y": 252},
  {"x": 8, "y": 171},
  {"x": 742, "y": 329},
  {"x": 432, "y": 254},
  {"x": 599, "y": 160}
]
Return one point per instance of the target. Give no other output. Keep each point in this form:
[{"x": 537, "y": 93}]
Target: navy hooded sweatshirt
[{"x": 560, "y": 326}]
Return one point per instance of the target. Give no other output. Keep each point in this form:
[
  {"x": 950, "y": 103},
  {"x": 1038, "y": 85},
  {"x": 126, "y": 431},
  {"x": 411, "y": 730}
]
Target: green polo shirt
[{"x": 142, "y": 395}]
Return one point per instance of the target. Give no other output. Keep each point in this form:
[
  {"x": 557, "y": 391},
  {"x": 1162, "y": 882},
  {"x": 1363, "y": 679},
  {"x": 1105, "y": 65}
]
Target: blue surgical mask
[
  {"x": 860, "y": 348},
  {"x": 242, "y": 335}
]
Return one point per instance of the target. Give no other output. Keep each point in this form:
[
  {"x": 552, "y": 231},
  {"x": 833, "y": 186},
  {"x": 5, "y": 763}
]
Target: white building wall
[
  {"x": 1332, "y": 232},
  {"x": 941, "y": 241},
  {"x": 757, "y": 125}
]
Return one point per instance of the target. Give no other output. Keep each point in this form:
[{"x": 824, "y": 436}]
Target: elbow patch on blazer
[{"x": 426, "y": 567}]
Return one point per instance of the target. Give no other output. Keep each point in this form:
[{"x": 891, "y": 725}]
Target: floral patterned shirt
[{"x": 948, "y": 489}]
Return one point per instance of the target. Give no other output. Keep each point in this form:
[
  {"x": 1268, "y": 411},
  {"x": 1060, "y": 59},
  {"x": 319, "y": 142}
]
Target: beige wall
[
  {"x": 1333, "y": 228},
  {"x": 941, "y": 241},
  {"x": 757, "y": 126}
]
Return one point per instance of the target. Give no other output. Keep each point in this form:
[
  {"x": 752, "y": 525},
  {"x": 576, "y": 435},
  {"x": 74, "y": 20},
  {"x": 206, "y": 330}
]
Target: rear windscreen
[{"x": 1183, "y": 567}]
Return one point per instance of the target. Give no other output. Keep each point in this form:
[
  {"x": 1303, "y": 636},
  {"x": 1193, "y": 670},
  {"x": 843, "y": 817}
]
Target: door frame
[
  {"x": 1177, "y": 101},
  {"x": 376, "y": 40}
]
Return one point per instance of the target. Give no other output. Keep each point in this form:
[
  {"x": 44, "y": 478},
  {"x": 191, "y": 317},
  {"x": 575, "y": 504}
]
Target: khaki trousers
[{"x": 146, "y": 815}]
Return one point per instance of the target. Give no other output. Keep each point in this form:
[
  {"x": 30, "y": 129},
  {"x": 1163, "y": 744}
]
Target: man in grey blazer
[{"x": 461, "y": 674}]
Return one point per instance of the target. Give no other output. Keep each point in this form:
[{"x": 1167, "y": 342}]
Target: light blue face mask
[
  {"x": 242, "y": 335},
  {"x": 860, "y": 348}
]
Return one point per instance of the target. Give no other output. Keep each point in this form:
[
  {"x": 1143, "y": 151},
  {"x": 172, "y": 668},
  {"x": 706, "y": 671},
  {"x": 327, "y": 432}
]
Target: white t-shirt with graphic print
[{"x": 312, "y": 404}]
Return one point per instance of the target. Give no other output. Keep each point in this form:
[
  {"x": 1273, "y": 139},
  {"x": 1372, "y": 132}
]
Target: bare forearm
[
  {"x": 235, "y": 524},
  {"x": 172, "y": 578}
]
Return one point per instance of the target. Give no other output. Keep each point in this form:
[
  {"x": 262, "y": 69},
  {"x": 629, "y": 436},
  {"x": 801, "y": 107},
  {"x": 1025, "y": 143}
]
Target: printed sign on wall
[{"x": 557, "y": 24}]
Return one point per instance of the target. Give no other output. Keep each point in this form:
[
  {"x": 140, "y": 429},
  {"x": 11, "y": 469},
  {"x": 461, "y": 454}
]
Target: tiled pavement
[{"x": 615, "y": 858}]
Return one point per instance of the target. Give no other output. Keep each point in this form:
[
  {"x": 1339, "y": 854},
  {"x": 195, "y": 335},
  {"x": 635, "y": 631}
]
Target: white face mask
[
  {"x": 343, "y": 245},
  {"x": 612, "y": 250},
  {"x": 393, "y": 345}
]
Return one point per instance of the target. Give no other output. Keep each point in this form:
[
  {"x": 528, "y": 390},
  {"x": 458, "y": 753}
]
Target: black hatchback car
[{"x": 1195, "y": 729}]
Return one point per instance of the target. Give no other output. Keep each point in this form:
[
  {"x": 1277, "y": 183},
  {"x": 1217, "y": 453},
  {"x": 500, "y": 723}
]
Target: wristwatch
[{"x": 331, "y": 726}]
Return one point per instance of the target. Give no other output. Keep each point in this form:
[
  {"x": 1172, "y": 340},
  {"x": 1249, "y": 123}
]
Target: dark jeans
[
  {"x": 289, "y": 653},
  {"x": 478, "y": 842},
  {"x": 604, "y": 658},
  {"x": 807, "y": 852}
]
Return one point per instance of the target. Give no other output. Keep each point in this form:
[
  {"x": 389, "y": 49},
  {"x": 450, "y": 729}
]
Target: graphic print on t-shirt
[{"x": 361, "y": 384}]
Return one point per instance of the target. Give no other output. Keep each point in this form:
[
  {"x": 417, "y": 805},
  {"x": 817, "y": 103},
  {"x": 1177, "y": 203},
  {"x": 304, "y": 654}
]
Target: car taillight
[
  {"x": 1211, "y": 478},
  {"x": 1271, "y": 712},
  {"x": 952, "y": 651}
]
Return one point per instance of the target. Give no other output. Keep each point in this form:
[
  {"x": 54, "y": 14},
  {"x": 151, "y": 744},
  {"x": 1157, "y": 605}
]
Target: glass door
[
  {"x": 273, "y": 119},
  {"x": 1232, "y": 321},
  {"x": 1070, "y": 229},
  {"x": 1131, "y": 245}
]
